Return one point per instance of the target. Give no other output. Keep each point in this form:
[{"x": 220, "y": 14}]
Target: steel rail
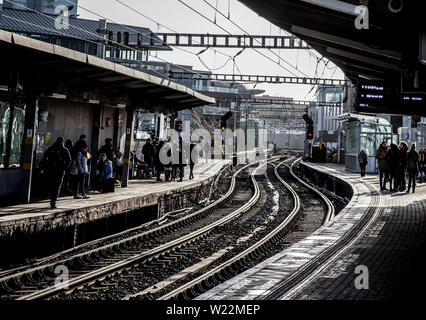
[
  {"x": 246, "y": 253},
  {"x": 151, "y": 253}
]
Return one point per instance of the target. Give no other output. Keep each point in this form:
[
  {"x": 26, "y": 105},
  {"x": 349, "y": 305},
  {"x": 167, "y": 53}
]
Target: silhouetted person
[
  {"x": 56, "y": 160},
  {"x": 383, "y": 165},
  {"x": 159, "y": 167},
  {"x": 194, "y": 159},
  {"x": 69, "y": 181},
  {"x": 394, "y": 162},
  {"x": 403, "y": 152},
  {"x": 412, "y": 163},
  {"x": 148, "y": 151},
  {"x": 363, "y": 161},
  {"x": 107, "y": 149}
]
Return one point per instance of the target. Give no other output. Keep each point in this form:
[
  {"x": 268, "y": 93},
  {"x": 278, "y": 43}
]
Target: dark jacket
[
  {"x": 108, "y": 150},
  {"x": 148, "y": 151},
  {"x": 403, "y": 158},
  {"x": 56, "y": 159},
  {"x": 362, "y": 158},
  {"x": 78, "y": 146},
  {"x": 393, "y": 157},
  {"x": 412, "y": 161},
  {"x": 158, "y": 165},
  {"x": 381, "y": 158},
  {"x": 194, "y": 155}
]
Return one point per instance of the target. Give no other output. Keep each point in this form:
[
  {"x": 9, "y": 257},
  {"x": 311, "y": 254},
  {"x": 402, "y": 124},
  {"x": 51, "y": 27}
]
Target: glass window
[
  {"x": 18, "y": 126},
  {"x": 368, "y": 144},
  {"x": 352, "y": 140},
  {"x": 4, "y": 128},
  {"x": 16, "y": 135}
]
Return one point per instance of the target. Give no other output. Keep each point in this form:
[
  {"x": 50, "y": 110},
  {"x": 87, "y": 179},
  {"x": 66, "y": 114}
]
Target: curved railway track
[
  {"x": 120, "y": 262},
  {"x": 256, "y": 252},
  {"x": 36, "y": 282}
]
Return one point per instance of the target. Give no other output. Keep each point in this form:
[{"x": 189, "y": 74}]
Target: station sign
[{"x": 378, "y": 97}]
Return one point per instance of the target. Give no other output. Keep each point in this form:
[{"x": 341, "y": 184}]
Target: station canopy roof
[
  {"x": 54, "y": 69},
  {"x": 388, "y": 47}
]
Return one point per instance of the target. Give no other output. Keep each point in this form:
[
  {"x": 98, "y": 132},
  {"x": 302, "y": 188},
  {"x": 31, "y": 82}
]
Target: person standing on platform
[
  {"x": 78, "y": 145},
  {"x": 383, "y": 165},
  {"x": 422, "y": 164},
  {"x": 194, "y": 153},
  {"x": 57, "y": 159},
  {"x": 169, "y": 164},
  {"x": 107, "y": 148},
  {"x": 148, "y": 151},
  {"x": 394, "y": 163},
  {"x": 412, "y": 165},
  {"x": 159, "y": 167},
  {"x": 83, "y": 172},
  {"x": 403, "y": 152},
  {"x": 183, "y": 159},
  {"x": 363, "y": 161},
  {"x": 68, "y": 183}
]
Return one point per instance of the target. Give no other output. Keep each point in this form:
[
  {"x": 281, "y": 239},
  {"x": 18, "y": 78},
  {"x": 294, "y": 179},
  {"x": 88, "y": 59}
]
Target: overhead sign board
[{"x": 376, "y": 97}]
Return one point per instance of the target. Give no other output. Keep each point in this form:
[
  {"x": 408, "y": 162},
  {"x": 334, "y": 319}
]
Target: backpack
[{"x": 54, "y": 163}]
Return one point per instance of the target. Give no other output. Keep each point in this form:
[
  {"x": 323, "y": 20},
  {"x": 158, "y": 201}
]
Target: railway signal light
[{"x": 309, "y": 132}]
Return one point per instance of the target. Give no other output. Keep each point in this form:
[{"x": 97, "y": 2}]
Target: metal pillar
[
  {"x": 129, "y": 136},
  {"x": 28, "y": 146},
  {"x": 96, "y": 125}
]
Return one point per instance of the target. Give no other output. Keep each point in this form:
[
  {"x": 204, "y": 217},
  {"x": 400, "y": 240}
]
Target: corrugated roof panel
[{"x": 23, "y": 21}]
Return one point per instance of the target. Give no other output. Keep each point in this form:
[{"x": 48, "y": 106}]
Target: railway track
[
  {"x": 267, "y": 245},
  {"x": 292, "y": 285},
  {"x": 111, "y": 271},
  {"x": 36, "y": 282}
]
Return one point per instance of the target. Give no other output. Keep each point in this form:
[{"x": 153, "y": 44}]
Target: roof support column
[
  {"x": 96, "y": 125},
  {"x": 28, "y": 147},
  {"x": 129, "y": 137}
]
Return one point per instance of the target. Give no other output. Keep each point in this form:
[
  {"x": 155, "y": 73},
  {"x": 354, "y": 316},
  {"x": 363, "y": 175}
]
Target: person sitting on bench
[{"x": 107, "y": 177}]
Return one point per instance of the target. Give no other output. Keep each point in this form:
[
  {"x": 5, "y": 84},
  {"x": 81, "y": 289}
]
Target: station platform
[
  {"x": 374, "y": 249},
  {"x": 141, "y": 198}
]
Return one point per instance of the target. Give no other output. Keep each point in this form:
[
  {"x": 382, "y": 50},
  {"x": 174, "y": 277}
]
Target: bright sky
[{"x": 175, "y": 15}]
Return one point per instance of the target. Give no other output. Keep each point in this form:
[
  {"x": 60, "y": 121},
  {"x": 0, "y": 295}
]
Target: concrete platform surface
[{"x": 383, "y": 259}]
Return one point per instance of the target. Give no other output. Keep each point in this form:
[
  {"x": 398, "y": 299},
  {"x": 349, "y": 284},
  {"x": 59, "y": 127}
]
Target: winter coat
[
  {"x": 148, "y": 151},
  {"x": 194, "y": 154},
  {"x": 381, "y": 158},
  {"x": 82, "y": 163},
  {"x": 403, "y": 158},
  {"x": 393, "y": 157},
  {"x": 56, "y": 159},
  {"x": 362, "y": 158},
  {"x": 157, "y": 162},
  {"x": 107, "y": 171},
  {"x": 412, "y": 161},
  {"x": 108, "y": 150}
]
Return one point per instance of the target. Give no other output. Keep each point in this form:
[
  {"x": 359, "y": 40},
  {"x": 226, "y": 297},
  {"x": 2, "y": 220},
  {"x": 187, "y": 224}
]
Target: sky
[{"x": 175, "y": 15}]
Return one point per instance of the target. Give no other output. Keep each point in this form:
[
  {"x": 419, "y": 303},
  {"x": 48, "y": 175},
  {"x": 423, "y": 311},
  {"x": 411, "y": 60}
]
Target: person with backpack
[
  {"x": 412, "y": 163},
  {"x": 363, "y": 161},
  {"x": 56, "y": 161},
  {"x": 83, "y": 172}
]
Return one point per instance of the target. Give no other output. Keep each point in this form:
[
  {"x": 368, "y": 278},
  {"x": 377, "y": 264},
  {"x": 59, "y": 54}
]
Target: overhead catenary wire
[
  {"x": 262, "y": 54},
  {"x": 247, "y": 33},
  {"x": 172, "y": 30},
  {"x": 162, "y": 75}
]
